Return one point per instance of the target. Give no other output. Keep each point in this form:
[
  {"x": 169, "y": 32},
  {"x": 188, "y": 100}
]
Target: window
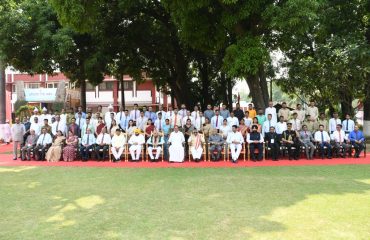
[
  {"x": 32, "y": 85},
  {"x": 52, "y": 85},
  {"x": 90, "y": 87},
  {"x": 106, "y": 86},
  {"x": 127, "y": 85},
  {"x": 14, "y": 88}
]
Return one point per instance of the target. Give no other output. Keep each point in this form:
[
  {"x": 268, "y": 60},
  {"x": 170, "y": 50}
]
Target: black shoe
[{"x": 14, "y": 159}]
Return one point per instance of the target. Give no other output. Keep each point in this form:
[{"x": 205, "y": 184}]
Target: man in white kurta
[
  {"x": 176, "y": 150},
  {"x": 118, "y": 145},
  {"x": 271, "y": 110},
  {"x": 109, "y": 116},
  {"x": 155, "y": 142},
  {"x": 136, "y": 141},
  {"x": 195, "y": 142},
  {"x": 235, "y": 141},
  {"x": 35, "y": 114}
]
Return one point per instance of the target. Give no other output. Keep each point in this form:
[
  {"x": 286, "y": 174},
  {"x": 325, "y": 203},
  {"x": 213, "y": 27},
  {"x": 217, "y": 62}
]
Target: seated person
[
  {"x": 235, "y": 141},
  {"x": 323, "y": 140},
  {"x": 195, "y": 144},
  {"x": 255, "y": 140},
  {"x": 43, "y": 143},
  {"x": 29, "y": 144},
  {"x": 216, "y": 143},
  {"x": 88, "y": 141},
  {"x": 306, "y": 139},
  {"x": 272, "y": 141},
  {"x": 102, "y": 143},
  {"x": 118, "y": 145},
  {"x": 155, "y": 143},
  {"x": 136, "y": 143},
  {"x": 290, "y": 139},
  {"x": 69, "y": 151},
  {"x": 357, "y": 140},
  {"x": 176, "y": 148},
  {"x": 340, "y": 141},
  {"x": 55, "y": 151}
]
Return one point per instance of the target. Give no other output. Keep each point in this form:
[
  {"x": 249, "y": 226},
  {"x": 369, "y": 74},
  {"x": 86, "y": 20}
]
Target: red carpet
[
  {"x": 6, "y": 148},
  {"x": 6, "y": 160}
]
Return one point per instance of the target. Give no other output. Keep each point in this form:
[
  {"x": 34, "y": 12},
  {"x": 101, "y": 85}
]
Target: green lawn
[{"x": 245, "y": 203}]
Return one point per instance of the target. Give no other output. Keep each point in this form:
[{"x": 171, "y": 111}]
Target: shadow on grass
[{"x": 93, "y": 203}]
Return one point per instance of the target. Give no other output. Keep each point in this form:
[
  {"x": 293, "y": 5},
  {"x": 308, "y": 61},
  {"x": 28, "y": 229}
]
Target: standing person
[
  {"x": 123, "y": 121},
  {"x": 150, "y": 114},
  {"x": 261, "y": 117},
  {"x": 169, "y": 113},
  {"x": 63, "y": 116},
  {"x": 69, "y": 151},
  {"x": 198, "y": 123},
  {"x": 225, "y": 129},
  {"x": 58, "y": 125},
  {"x": 149, "y": 128},
  {"x": 176, "y": 119},
  {"x": 348, "y": 124},
  {"x": 118, "y": 145},
  {"x": 186, "y": 118},
  {"x": 195, "y": 143},
  {"x": 102, "y": 143},
  {"x": 216, "y": 120},
  {"x": 296, "y": 123},
  {"x": 306, "y": 139},
  {"x": 80, "y": 121},
  {"x": 141, "y": 121},
  {"x": 80, "y": 112},
  {"x": 42, "y": 145},
  {"x": 35, "y": 114},
  {"x": 284, "y": 111},
  {"x": 238, "y": 112},
  {"x": 55, "y": 150},
  {"x": 323, "y": 140},
  {"x": 243, "y": 129},
  {"x": 322, "y": 121},
  {"x": 35, "y": 125},
  {"x": 166, "y": 135},
  {"x": 109, "y": 116},
  {"x": 247, "y": 120},
  {"x": 300, "y": 112},
  {"x": 136, "y": 144},
  {"x": 87, "y": 125},
  {"x": 209, "y": 113},
  {"x": 272, "y": 141},
  {"x": 17, "y": 135},
  {"x": 216, "y": 144},
  {"x": 256, "y": 123},
  {"x": 119, "y": 116},
  {"x": 267, "y": 125},
  {"x": 290, "y": 139},
  {"x": 183, "y": 111},
  {"x": 271, "y": 110},
  {"x": 235, "y": 141},
  {"x": 155, "y": 142},
  {"x": 255, "y": 140},
  {"x": 333, "y": 122},
  {"x": 280, "y": 127},
  {"x": 99, "y": 126},
  {"x": 158, "y": 124},
  {"x": 232, "y": 120},
  {"x": 224, "y": 112},
  {"x": 313, "y": 111},
  {"x": 340, "y": 142},
  {"x": 310, "y": 124},
  {"x": 176, "y": 148},
  {"x": 160, "y": 110},
  {"x": 27, "y": 126},
  {"x": 88, "y": 141},
  {"x": 74, "y": 128},
  {"x": 357, "y": 139},
  {"x": 113, "y": 127},
  {"x": 135, "y": 113},
  {"x": 30, "y": 144},
  {"x": 195, "y": 114}
]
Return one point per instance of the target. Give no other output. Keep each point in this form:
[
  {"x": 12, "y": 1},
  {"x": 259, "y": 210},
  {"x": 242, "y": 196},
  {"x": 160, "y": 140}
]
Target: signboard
[{"x": 40, "y": 94}]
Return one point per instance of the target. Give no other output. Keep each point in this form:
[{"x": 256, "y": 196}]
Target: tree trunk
[
  {"x": 123, "y": 100},
  {"x": 256, "y": 91},
  {"x": 263, "y": 84},
  {"x": 229, "y": 94},
  {"x": 83, "y": 94},
  {"x": 2, "y": 93},
  {"x": 203, "y": 73},
  {"x": 367, "y": 110},
  {"x": 346, "y": 104}
]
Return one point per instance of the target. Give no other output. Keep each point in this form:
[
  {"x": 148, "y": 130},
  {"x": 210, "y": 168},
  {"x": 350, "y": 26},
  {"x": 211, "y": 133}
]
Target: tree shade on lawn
[{"x": 259, "y": 203}]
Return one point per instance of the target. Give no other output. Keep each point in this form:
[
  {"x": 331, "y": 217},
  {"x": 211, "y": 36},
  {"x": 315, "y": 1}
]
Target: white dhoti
[
  {"x": 196, "y": 152},
  {"x": 235, "y": 150},
  {"x": 176, "y": 153},
  {"x": 117, "y": 154},
  {"x": 157, "y": 154},
  {"x": 135, "y": 151}
]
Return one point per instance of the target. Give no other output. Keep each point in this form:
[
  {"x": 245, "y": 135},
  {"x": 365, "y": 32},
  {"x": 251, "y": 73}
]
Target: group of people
[{"x": 180, "y": 133}]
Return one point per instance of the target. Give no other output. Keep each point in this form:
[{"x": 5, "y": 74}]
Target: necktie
[
  {"x": 87, "y": 127},
  {"x": 79, "y": 122},
  {"x": 200, "y": 122},
  {"x": 347, "y": 125},
  {"x": 269, "y": 124},
  {"x": 322, "y": 137},
  {"x": 216, "y": 120},
  {"x": 340, "y": 138},
  {"x": 125, "y": 126},
  {"x": 160, "y": 125},
  {"x": 135, "y": 115},
  {"x": 88, "y": 138},
  {"x": 102, "y": 139},
  {"x": 42, "y": 142},
  {"x": 305, "y": 133},
  {"x": 57, "y": 127},
  {"x": 175, "y": 121}
]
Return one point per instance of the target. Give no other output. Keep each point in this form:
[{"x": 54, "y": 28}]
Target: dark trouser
[
  {"x": 85, "y": 151},
  {"x": 165, "y": 146},
  {"x": 322, "y": 150},
  {"x": 252, "y": 147},
  {"x": 358, "y": 148},
  {"x": 274, "y": 150},
  {"x": 217, "y": 149},
  {"x": 26, "y": 152},
  {"x": 338, "y": 146},
  {"x": 101, "y": 155},
  {"x": 293, "y": 154},
  {"x": 40, "y": 151}
]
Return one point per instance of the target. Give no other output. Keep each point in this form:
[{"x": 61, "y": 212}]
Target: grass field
[{"x": 330, "y": 202}]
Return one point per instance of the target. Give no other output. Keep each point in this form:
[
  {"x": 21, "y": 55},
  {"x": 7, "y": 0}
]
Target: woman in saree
[
  {"x": 55, "y": 151},
  {"x": 69, "y": 151}
]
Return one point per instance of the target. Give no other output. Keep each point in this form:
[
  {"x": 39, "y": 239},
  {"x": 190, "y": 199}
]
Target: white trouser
[
  {"x": 158, "y": 153},
  {"x": 117, "y": 154},
  {"x": 196, "y": 152},
  {"x": 235, "y": 150},
  {"x": 137, "y": 149}
]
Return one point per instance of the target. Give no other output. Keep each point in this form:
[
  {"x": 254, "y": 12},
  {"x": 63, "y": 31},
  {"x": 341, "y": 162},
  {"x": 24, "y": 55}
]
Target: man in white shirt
[
  {"x": 183, "y": 111},
  {"x": 333, "y": 122},
  {"x": 109, "y": 116},
  {"x": 44, "y": 115},
  {"x": 296, "y": 123},
  {"x": 176, "y": 119},
  {"x": 58, "y": 125},
  {"x": 120, "y": 115},
  {"x": 323, "y": 140},
  {"x": 169, "y": 113},
  {"x": 267, "y": 124},
  {"x": 35, "y": 114},
  {"x": 43, "y": 143},
  {"x": 232, "y": 120},
  {"x": 271, "y": 110},
  {"x": 160, "y": 110},
  {"x": 255, "y": 140},
  {"x": 235, "y": 141},
  {"x": 63, "y": 116},
  {"x": 124, "y": 120},
  {"x": 87, "y": 125},
  {"x": 80, "y": 121},
  {"x": 159, "y": 122},
  {"x": 281, "y": 126},
  {"x": 340, "y": 142},
  {"x": 188, "y": 116},
  {"x": 300, "y": 112},
  {"x": 141, "y": 121},
  {"x": 198, "y": 123},
  {"x": 35, "y": 125},
  {"x": 176, "y": 149},
  {"x": 135, "y": 113},
  {"x": 118, "y": 145},
  {"x": 225, "y": 129},
  {"x": 136, "y": 141},
  {"x": 216, "y": 120},
  {"x": 195, "y": 114},
  {"x": 247, "y": 120},
  {"x": 313, "y": 111},
  {"x": 88, "y": 141},
  {"x": 102, "y": 145},
  {"x": 348, "y": 124}
]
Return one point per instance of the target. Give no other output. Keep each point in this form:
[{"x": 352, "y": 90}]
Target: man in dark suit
[{"x": 272, "y": 141}]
